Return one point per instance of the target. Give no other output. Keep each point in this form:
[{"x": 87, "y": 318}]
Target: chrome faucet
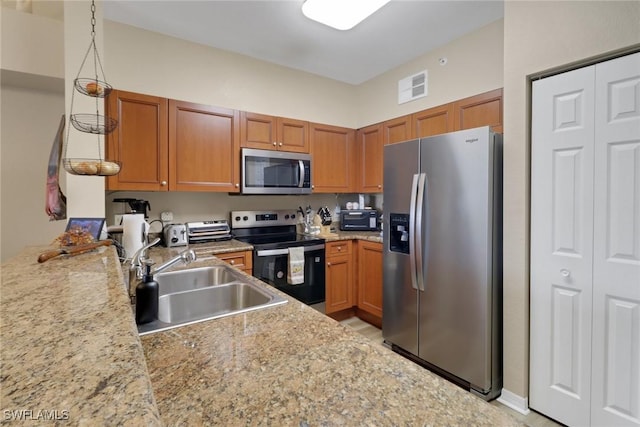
[{"x": 140, "y": 262}]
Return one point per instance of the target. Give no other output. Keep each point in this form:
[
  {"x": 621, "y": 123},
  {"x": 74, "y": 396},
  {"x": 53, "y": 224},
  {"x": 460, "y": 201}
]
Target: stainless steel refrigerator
[{"x": 442, "y": 292}]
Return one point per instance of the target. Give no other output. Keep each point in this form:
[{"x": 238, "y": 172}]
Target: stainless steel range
[{"x": 272, "y": 233}]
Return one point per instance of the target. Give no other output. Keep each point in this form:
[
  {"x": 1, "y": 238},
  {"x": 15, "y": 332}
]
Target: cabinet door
[
  {"x": 370, "y": 277},
  {"x": 480, "y": 110},
  {"x": 333, "y": 153},
  {"x": 139, "y": 143},
  {"x": 339, "y": 283},
  {"x": 434, "y": 121},
  {"x": 204, "y": 148},
  {"x": 562, "y": 245},
  {"x": 293, "y": 135},
  {"x": 616, "y": 260},
  {"x": 370, "y": 146},
  {"x": 241, "y": 260},
  {"x": 397, "y": 130},
  {"x": 258, "y": 131},
  {"x": 273, "y": 133}
]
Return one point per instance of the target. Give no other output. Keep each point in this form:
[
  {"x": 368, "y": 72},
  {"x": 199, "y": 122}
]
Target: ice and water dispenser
[{"x": 399, "y": 233}]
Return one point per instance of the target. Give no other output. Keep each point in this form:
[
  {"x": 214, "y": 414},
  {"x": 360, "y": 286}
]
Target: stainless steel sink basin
[
  {"x": 210, "y": 302},
  {"x": 206, "y": 293},
  {"x": 194, "y": 278}
]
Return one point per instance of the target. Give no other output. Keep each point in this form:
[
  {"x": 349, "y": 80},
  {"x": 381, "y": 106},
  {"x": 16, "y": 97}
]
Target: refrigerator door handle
[
  {"x": 412, "y": 231},
  {"x": 422, "y": 183}
]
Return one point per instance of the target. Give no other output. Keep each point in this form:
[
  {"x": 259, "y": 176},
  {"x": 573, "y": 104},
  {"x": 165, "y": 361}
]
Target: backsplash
[{"x": 192, "y": 206}]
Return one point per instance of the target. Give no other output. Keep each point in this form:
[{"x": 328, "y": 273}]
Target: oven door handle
[{"x": 271, "y": 252}]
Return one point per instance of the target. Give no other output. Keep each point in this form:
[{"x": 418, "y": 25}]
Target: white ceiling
[{"x": 276, "y": 31}]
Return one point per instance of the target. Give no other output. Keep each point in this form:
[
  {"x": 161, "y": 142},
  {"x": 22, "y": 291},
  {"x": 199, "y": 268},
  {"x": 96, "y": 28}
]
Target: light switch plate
[{"x": 166, "y": 216}]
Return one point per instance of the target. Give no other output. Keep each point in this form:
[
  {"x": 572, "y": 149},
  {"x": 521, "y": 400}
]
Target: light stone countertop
[
  {"x": 291, "y": 365},
  {"x": 69, "y": 343}
]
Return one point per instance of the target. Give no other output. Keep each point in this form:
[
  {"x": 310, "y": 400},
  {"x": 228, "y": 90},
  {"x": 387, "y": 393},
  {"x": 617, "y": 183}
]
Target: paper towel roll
[{"x": 134, "y": 233}]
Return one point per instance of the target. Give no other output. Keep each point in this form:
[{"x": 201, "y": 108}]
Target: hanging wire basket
[
  {"x": 93, "y": 123},
  {"x": 92, "y": 87},
  {"x": 93, "y": 167}
]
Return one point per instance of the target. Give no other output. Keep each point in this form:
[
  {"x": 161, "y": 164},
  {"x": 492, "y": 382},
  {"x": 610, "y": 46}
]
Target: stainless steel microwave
[{"x": 275, "y": 172}]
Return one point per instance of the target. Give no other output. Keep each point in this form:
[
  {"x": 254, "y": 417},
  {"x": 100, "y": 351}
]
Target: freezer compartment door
[
  {"x": 455, "y": 308},
  {"x": 399, "y": 298}
]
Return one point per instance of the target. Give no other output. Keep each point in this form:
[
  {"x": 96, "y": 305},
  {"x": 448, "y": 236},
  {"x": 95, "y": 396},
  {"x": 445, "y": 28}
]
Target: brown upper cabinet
[
  {"x": 370, "y": 149},
  {"x": 204, "y": 148},
  {"x": 273, "y": 133},
  {"x": 480, "y": 110},
  {"x": 334, "y": 164},
  {"x": 167, "y": 145},
  {"x": 433, "y": 121},
  {"x": 139, "y": 143},
  {"x": 397, "y": 130}
]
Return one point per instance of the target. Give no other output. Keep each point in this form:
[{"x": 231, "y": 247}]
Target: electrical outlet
[{"x": 166, "y": 216}]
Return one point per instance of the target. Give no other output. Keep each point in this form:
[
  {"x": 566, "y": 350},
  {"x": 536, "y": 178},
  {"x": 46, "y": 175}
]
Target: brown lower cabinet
[
  {"x": 354, "y": 280},
  {"x": 339, "y": 276},
  {"x": 241, "y": 260},
  {"x": 370, "y": 277}
]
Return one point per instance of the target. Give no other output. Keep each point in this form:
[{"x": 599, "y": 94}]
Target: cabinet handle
[
  {"x": 275, "y": 143},
  {"x": 379, "y": 186},
  {"x": 163, "y": 183},
  {"x": 328, "y": 264},
  {"x": 280, "y": 144},
  {"x": 233, "y": 261},
  {"x": 237, "y": 185},
  {"x": 339, "y": 248}
]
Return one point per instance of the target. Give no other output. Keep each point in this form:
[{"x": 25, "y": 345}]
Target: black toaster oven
[{"x": 359, "y": 220}]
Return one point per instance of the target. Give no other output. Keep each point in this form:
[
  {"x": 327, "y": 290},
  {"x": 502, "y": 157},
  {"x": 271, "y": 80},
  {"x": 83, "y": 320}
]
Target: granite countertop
[
  {"x": 291, "y": 365},
  {"x": 373, "y": 236},
  {"x": 69, "y": 346},
  {"x": 70, "y": 343}
]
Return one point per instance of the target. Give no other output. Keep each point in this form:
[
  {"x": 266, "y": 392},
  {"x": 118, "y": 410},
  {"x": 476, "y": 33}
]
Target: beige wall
[
  {"x": 32, "y": 44},
  {"x": 474, "y": 65},
  {"x": 29, "y": 123},
  {"x": 541, "y": 36},
  {"x": 148, "y": 62}
]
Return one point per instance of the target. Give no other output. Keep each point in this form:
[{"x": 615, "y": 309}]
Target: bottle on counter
[{"x": 147, "y": 293}]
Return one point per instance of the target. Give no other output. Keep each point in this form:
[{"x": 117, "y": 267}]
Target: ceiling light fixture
[{"x": 341, "y": 14}]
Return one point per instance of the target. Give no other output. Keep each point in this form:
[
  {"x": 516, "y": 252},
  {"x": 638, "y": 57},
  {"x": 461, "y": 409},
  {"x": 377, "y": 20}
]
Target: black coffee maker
[{"x": 136, "y": 206}]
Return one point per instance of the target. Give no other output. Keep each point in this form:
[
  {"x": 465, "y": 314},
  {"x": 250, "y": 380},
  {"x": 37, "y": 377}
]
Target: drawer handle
[{"x": 233, "y": 261}]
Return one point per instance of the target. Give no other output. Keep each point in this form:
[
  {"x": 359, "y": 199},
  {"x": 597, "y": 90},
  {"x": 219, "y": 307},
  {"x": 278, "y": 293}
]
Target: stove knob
[
  {"x": 246, "y": 218},
  {"x": 237, "y": 218},
  {"x": 286, "y": 216},
  {"x": 293, "y": 216}
]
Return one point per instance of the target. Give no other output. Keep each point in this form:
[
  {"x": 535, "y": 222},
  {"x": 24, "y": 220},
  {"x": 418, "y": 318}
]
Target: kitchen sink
[
  {"x": 194, "y": 278},
  {"x": 208, "y": 302},
  {"x": 205, "y": 293}
]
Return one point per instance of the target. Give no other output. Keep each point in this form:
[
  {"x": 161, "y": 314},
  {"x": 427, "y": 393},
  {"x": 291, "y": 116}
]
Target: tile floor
[{"x": 533, "y": 419}]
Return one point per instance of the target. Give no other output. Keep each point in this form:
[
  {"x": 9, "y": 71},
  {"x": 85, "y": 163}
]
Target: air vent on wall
[{"x": 412, "y": 87}]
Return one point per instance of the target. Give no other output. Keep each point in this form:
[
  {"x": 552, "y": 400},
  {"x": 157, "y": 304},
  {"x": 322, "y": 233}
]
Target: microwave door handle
[{"x": 302, "y": 177}]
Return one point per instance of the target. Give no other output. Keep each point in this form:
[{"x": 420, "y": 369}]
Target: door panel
[
  {"x": 616, "y": 276},
  {"x": 399, "y": 298},
  {"x": 561, "y": 245},
  {"x": 456, "y": 248}
]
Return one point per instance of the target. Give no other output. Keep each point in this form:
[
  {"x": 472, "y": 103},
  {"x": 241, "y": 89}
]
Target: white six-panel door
[
  {"x": 561, "y": 245},
  {"x": 585, "y": 245},
  {"x": 615, "y": 395}
]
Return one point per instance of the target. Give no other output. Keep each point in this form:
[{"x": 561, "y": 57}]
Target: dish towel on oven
[{"x": 295, "y": 273}]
